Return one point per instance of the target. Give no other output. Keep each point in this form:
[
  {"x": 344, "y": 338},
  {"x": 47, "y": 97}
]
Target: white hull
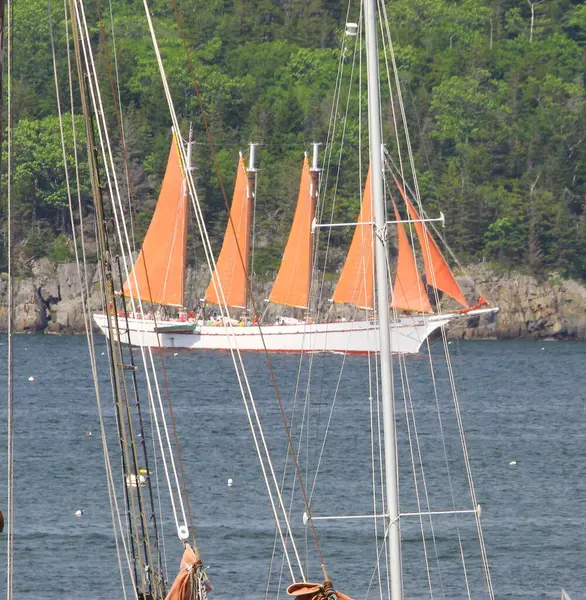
[{"x": 354, "y": 337}]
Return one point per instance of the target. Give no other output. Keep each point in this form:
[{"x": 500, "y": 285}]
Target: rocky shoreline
[{"x": 48, "y": 301}]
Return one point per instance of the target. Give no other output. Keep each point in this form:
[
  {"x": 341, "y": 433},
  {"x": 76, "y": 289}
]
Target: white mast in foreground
[{"x": 375, "y": 143}]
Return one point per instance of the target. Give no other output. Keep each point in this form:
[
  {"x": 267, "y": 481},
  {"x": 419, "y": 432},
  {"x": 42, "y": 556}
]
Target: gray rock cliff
[{"x": 48, "y": 300}]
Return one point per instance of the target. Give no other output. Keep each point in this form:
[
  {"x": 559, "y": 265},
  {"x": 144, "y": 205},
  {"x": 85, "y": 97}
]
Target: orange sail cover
[
  {"x": 160, "y": 267},
  {"x": 183, "y": 586},
  {"x": 313, "y": 591},
  {"x": 437, "y": 271},
  {"x": 408, "y": 291},
  {"x": 356, "y": 280},
  {"x": 293, "y": 280},
  {"x": 231, "y": 272}
]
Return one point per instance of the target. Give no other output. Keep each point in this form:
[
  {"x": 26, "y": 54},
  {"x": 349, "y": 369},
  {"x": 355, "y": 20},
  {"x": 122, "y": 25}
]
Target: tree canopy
[{"x": 494, "y": 92}]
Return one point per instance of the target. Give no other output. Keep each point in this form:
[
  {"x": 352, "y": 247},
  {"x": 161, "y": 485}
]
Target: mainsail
[
  {"x": 231, "y": 274},
  {"x": 293, "y": 281},
  {"x": 437, "y": 271},
  {"x": 408, "y": 292},
  {"x": 159, "y": 272},
  {"x": 355, "y": 285}
]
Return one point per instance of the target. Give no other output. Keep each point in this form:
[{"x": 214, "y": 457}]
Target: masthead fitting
[
  {"x": 316, "y": 146},
  {"x": 351, "y": 28},
  {"x": 251, "y": 157}
]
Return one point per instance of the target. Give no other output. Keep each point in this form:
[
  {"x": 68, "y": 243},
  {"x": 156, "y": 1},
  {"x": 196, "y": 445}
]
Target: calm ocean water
[{"x": 519, "y": 401}]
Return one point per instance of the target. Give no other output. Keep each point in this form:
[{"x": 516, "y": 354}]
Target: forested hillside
[{"x": 495, "y": 91}]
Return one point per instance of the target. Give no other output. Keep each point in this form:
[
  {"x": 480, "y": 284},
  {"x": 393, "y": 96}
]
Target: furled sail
[
  {"x": 160, "y": 267},
  {"x": 437, "y": 271},
  {"x": 314, "y": 591},
  {"x": 189, "y": 584},
  {"x": 408, "y": 291},
  {"x": 232, "y": 265},
  {"x": 355, "y": 285},
  {"x": 293, "y": 281}
]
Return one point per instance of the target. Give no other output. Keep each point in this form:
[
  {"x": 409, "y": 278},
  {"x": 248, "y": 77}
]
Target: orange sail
[
  {"x": 408, "y": 291},
  {"x": 160, "y": 267},
  {"x": 356, "y": 280},
  {"x": 437, "y": 271},
  {"x": 293, "y": 280},
  {"x": 231, "y": 272}
]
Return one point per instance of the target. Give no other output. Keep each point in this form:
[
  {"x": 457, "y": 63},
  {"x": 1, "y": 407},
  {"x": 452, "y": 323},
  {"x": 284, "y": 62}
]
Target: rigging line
[
  {"x": 178, "y": 18},
  {"x": 10, "y": 316},
  {"x": 168, "y": 396},
  {"x": 416, "y": 484},
  {"x": 118, "y": 114},
  {"x": 105, "y": 147},
  {"x": 130, "y": 458},
  {"x": 150, "y": 353},
  {"x": 116, "y": 364},
  {"x": 433, "y": 226},
  {"x": 384, "y": 545},
  {"x": 131, "y": 195},
  {"x": 153, "y": 517},
  {"x": 235, "y": 354},
  {"x": 467, "y": 463},
  {"x": 407, "y": 395},
  {"x": 408, "y": 399},
  {"x": 448, "y": 470},
  {"x": 113, "y": 355},
  {"x": 269, "y": 363},
  {"x": 118, "y": 530},
  {"x": 112, "y": 496},
  {"x": 130, "y": 188},
  {"x": 142, "y": 443},
  {"x": 417, "y": 198},
  {"x": 65, "y": 161},
  {"x": 283, "y": 477},
  {"x": 331, "y": 135},
  {"x": 373, "y": 471},
  {"x": 427, "y": 249}
]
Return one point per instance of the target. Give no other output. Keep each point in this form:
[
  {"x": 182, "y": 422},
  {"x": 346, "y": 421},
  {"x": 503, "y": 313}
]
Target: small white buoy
[
  {"x": 103, "y": 353},
  {"x": 31, "y": 378},
  {"x": 305, "y": 518},
  {"x": 512, "y": 463},
  {"x": 88, "y": 434},
  {"x": 543, "y": 348},
  {"x": 78, "y": 512},
  {"x": 230, "y": 482},
  {"x": 175, "y": 353}
]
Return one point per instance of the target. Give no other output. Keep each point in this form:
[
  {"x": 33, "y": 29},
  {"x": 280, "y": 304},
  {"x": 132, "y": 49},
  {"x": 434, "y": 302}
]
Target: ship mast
[
  {"x": 390, "y": 455},
  {"x": 250, "y": 225}
]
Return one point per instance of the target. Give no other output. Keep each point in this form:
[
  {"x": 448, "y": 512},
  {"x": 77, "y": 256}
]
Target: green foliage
[
  {"x": 62, "y": 250},
  {"x": 498, "y": 120}
]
